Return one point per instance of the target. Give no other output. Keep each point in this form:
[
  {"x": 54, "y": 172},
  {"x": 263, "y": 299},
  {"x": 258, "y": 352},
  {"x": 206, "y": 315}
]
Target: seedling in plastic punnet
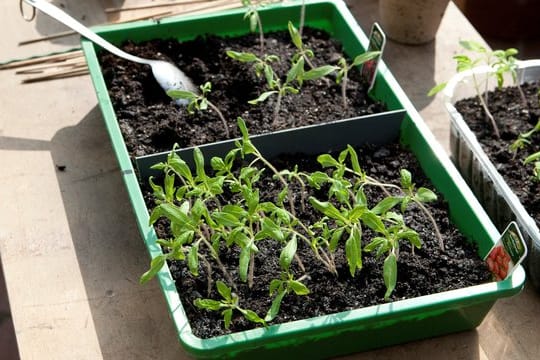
[
  {"x": 200, "y": 102},
  {"x": 501, "y": 61}
]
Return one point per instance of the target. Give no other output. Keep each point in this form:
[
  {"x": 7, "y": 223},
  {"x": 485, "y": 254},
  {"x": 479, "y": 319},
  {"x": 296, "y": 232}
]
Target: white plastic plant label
[
  {"x": 377, "y": 40},
  {"x": 507, "y": 253}
]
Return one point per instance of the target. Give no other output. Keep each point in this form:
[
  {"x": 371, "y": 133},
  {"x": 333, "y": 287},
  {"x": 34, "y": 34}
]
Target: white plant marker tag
[
  {"x": 377, "y": 41},
  {"x": 507, "y": 253}
]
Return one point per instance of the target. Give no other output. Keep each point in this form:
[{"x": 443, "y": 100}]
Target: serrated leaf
[
  {"x": 272, "y": 230},
  {"x": 360, "y": 197},
  {"x": 472, "y": 46},
  {"x": 317, "y": 179},
  {"x": 226, "y": 219},
  {"x": 390, "y": 274},
  {"x": 274, "y": 286}
]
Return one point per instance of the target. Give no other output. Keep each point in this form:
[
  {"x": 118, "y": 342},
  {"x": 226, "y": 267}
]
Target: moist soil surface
[
  {"x": 151, "y": 122},
  {"x": 426, "y": 271},
  {"x": 513, "y": 117}
]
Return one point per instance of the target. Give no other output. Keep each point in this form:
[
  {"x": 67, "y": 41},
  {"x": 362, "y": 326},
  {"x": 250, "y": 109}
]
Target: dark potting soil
[
  {"x": 513, "y": 118},
  {"x": 151, "y": 122},
  {"x": 429, "y": 270}
]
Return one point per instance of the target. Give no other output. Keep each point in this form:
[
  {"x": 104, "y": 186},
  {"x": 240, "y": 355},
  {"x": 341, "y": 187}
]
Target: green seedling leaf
[
  {"x": 295, "y": 36},
  {"x": 317, "y": 179},
  {"x": 287, "y": 254},
  {"x": 157, "y": 190},
  {"x": 437, "y": 89},
  {"x": 412, "y": 236},
  {"x": 242, "y": 56},
  {"x": 373, "y": 221},
  {"x": 425, "y": 195},
  {"x": 531, "y": 158},
  {"x": 207, "y": 304},
  {"x": 198, "y": 157},
  {"x": 362, "y": 58},
  {"x": 182, "y": 94},
  {"x": 253, "y": 317},
  {"x": 224, "y": 290},
  {"x": 265, "y": 95},
  {"x": 390, "y": 274},
  {"x": 386, "y": 204},
  {"x": 180, "y": 167},
  {"x": 405, "y": 179},
  {"x": 193, "y": 260},
  {"x": 327, "y": 160},
  {"x": 354, "y": 160},
  {"x": 276, "y": 304},
  {"x": 327, "y": 209},
  {"x": 353, "y": 250},
  {"x": 298, "y": 288},
  {"x": 226, "y": 219},
  {"x": 472, "y": 46},
  {"x": 334, "y": 240},
  {"x": 155, "y": 265},
  {"x": 319, "y": 72},
  {"x": 243, "y": 263},
  {"x": 227, "y": 317},
  {"x": 296, "y": 72},
  {"x": 356, "y": 213},
  {"x": 169, "y": 187},
  {"x": 377, "y": 243}
]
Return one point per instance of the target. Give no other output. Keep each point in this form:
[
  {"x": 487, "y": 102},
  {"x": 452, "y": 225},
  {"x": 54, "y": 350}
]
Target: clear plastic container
[{"x": 481, "y": 174}]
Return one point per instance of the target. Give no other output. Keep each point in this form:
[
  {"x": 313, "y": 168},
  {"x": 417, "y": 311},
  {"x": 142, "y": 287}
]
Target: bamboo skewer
[
  {"x": 57, "y": 75},
  {"x": 70, "y": 32},
  {"x": 43, "y": 59},
  {"x": 69, "y": 64},
  {"x": 151, "y": 6}
]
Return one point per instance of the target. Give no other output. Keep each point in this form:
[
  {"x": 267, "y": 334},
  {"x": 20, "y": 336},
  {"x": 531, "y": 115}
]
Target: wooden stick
[
  {"x": 150, "y": 6},
  {"x": 42, "y": 59},
  {"x": 224, "y": 5},
  {"x": 75, "y": 62},
  {"x": 70, "y": 32},
  {"x": 57, "y": 75}
]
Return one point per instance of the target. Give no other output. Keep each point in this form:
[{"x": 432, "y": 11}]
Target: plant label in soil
[
  {"x": 507, "y": 253},
  {"x": 377, "y": 40}
]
